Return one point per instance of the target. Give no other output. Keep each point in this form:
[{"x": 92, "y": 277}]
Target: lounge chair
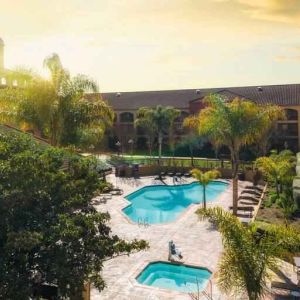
[
  {"x": 247, "y": 203},
  {"x": 182, "y": 174},
  {"x": 254, "y": 187},
  {"x": 251, "y": 192},
  {"x": 187, "y": 174},
  {"x": 107, "y": 195},
  {"x": 171, "y": 174},
  {"x": 164, "y": 173},
  {"x": 250, "y": 198},
  {"x": 291, "y": 287},
  {"x": 244, "y": 208},
  {"x": 116, "y": 191},
  {"x": 178, "y": 174}
]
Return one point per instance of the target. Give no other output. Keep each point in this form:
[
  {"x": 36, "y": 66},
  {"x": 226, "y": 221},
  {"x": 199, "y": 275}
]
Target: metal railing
[{"x": 181, "y": 162}]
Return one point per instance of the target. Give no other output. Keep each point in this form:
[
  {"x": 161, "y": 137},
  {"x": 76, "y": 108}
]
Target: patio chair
[
  {"x": 116, "y": 192},
  {"x": 251, "y": 192},
  {"x": 188, "y": 174},
  {"x": 254, "y": 187},
  {"x": 248, "y": 200},
  {"x": 106, "y": 195},
  {"x": 293, "y": 289},
  {"x": 163, "y": 173},
  {"x": 171, "y": 174},
  {"x": 182, "y": 174},
  {"x": 243, "y": 208}
]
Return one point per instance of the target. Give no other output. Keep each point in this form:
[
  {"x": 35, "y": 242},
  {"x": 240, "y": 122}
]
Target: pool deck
[{"x": 199, "y": 242}]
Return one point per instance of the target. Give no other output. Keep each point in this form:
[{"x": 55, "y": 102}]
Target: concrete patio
[{"x": 200, "y": 244}]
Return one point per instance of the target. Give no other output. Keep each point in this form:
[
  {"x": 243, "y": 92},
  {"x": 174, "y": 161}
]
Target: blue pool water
[
  {"x": 163, "y": 203},
  {"x": 175, "y": 277}
]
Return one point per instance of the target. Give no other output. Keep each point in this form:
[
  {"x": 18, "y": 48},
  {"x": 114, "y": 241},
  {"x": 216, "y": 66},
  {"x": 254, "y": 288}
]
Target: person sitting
[{"x": 174, "y": 251}]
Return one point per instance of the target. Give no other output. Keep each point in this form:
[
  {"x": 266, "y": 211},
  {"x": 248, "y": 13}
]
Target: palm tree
[
  {"x": 161, "y": 119},
  {"x": 277, "y": 168},
  {"x": 234, "y": 124},
  {"x": 204, "y": 178},
  {"x": 144, "y": 121},
  {"x": 69, "y": 113},
  {"x": 192, "y": 124},
  {"x": 249, "y": 253}
]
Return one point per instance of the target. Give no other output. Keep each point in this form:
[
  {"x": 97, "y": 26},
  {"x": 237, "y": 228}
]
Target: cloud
[
  {"x": 285, "y": 11},
  {"x": 285, "y": 58}
]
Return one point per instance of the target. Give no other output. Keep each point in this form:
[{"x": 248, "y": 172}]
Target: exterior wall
[
  {"x": 288, "y": 131},
  {"x": 296, "y": 182},
  {"x": 1, "y": 56},
  {"x": 287, "y": 134},
  {"x": 125, "y": 131}
]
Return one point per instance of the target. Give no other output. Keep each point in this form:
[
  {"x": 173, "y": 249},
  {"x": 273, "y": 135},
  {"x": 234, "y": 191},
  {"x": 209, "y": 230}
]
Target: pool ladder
[
  {"x": 143, "y": 222},
  {"x": 207, "y": 293}
]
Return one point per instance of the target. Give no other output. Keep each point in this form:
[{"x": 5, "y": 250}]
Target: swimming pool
[
  {"x": 163, "y": 203},
  {"x": 181, "y": 278}
]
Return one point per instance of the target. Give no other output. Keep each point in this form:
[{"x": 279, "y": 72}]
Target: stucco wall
[{"x": 296, "y": 183}]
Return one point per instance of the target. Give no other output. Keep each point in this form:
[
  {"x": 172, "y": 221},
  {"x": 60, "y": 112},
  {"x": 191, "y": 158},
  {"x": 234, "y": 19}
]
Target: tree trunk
[
  {"x": 160, "y": 138},
  {"x": 234, "y": 194},
  {"x": 277, "y": 188},
  {"x": 192, "y": 155},
  {"x": 235, "y": 181},
  {"x": 204, "y": 196}
]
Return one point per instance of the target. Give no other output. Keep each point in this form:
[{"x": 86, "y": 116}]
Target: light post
[
  {"x": 131, "y": 142},
  {"x": 118, "y": 144}
]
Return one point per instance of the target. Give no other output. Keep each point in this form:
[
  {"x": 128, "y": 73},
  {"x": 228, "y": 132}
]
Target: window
[
  {"x": 182, "y": 116},
  {"x": 288, "y": 129},
  {"x": 291, "y": 114},
  {"x": 126, "y": 117}
]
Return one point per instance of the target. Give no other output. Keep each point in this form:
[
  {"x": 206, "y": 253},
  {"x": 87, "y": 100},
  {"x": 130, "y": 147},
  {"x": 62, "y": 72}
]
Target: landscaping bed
[{"x": 274, "y": 215}]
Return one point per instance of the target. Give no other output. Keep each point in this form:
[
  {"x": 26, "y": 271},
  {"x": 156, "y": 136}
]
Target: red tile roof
[{"x": 286, "y": 95}]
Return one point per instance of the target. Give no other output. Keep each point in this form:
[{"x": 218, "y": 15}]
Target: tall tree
[
  {"x": 75, "y": 119},
  {"x": 12, "y": 95},
  {"x": 36, "y": 108},
  {"x": 204, "y": 178},
  {"x": 192, "y": 138},
  {"x": 49, "y": 230},
  {"x": 56, "y": 108},
  {"x": 162, "y": 119},
  {"x": 278, "y": 168},
  {"x": 274, "y": 113},
  {"x": 249, "y": 253},
  {"x": 144, "y": 121},
  {"x": 234, "y": 124}
]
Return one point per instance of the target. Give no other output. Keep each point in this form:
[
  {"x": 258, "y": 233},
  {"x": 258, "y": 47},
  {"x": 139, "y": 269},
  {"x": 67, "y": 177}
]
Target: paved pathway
[{"x": 200, "y": 244}]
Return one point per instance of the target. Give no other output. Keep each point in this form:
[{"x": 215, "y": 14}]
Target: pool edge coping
[
  {"x": 128, "y": 203},
  {"x": 146, "y": 263}
]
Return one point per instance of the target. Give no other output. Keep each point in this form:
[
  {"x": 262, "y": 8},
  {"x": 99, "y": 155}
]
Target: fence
[{"x": 181, "y": 162}]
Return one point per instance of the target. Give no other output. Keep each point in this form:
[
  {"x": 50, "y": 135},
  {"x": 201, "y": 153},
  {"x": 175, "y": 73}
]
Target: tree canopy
[
  {"x": 278, "y": 168},
  {"x": 49, "y": 230},
  {"x": 56, "y": 109},
  {"x": 249, "y": 253},
  {"x": 235, "y": 124},
  {"x": 204, "y": 178},
  {"x": 158, "y": 121}
]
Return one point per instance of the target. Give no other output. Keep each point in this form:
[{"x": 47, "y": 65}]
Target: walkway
[{"x": 200, "y": 244}]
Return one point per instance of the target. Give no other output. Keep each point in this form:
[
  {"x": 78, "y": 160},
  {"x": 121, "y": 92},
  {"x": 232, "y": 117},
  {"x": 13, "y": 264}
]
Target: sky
[{"x": 133, "y": 45}]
